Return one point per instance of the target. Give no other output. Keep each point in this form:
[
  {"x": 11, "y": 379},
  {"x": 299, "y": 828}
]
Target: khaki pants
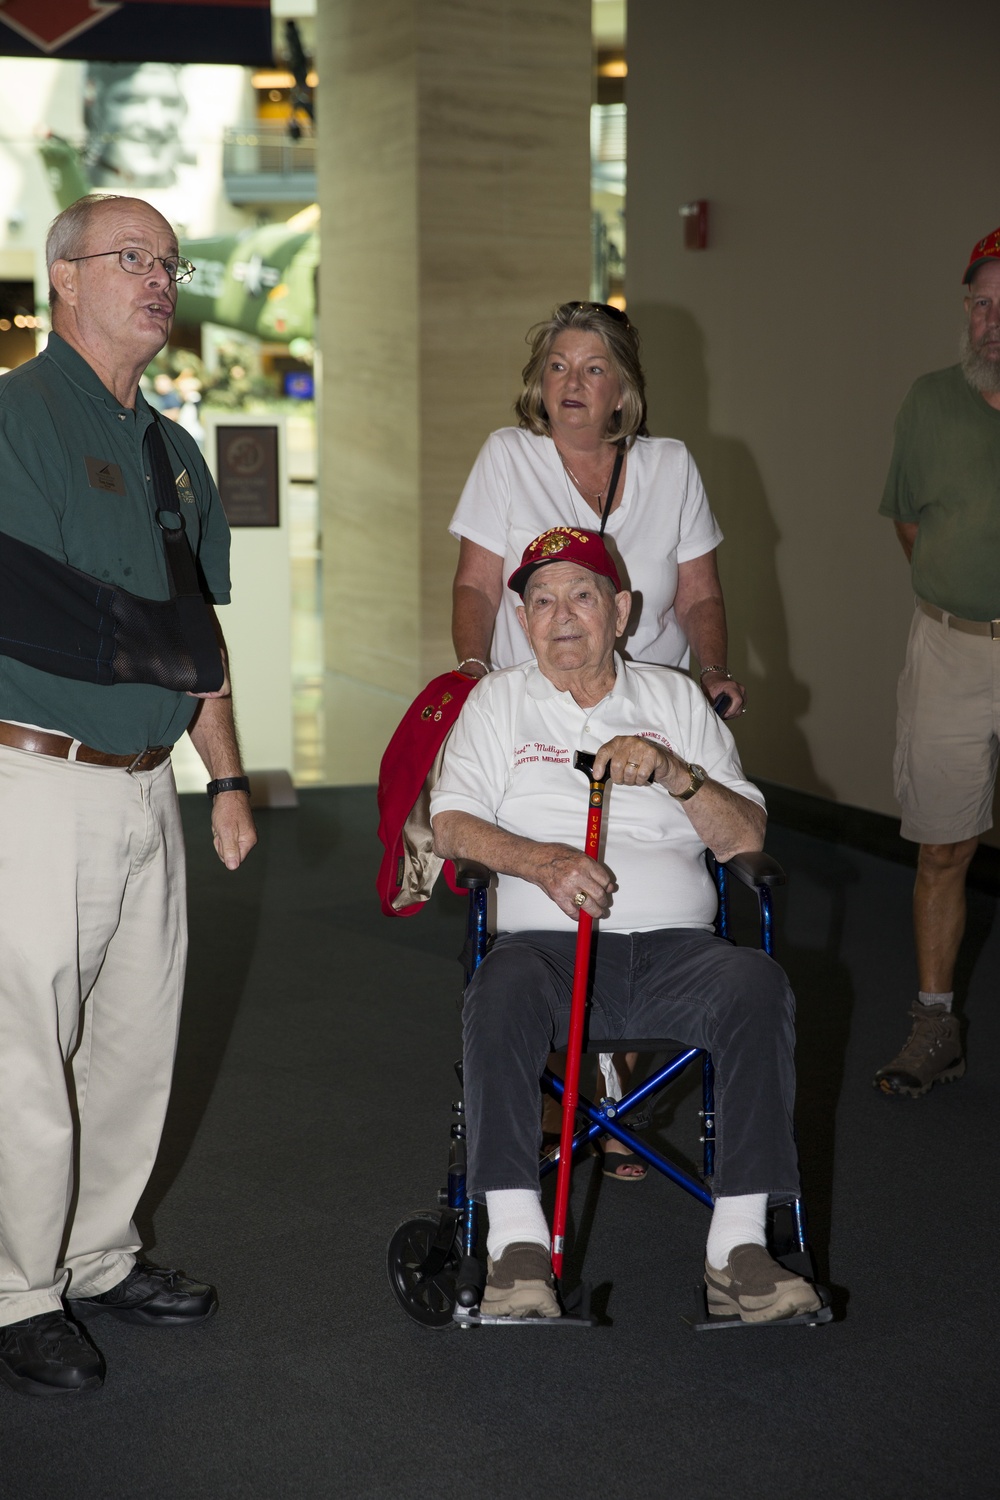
[
  {"x": 947, "y": 729},
  {"x": 93, "y": 940}
]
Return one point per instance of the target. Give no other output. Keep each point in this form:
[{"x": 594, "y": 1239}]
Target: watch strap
[
  {"x": 228, "y": 784},
  {"x": 698, "y": 779}
]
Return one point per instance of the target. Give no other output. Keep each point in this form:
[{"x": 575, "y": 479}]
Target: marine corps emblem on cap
[
  {"x": 982, "y": 251},
  {"x": 564, "y": 544}
]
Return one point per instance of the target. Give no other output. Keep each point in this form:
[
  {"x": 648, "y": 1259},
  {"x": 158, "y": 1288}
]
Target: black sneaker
[
  {"x": 48, "y": 1355},
  {"x": 150, "y": 1294}
]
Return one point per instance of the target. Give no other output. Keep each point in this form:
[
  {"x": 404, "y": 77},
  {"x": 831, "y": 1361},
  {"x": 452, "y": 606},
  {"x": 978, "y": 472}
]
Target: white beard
[{"x": 982, "y": 373}]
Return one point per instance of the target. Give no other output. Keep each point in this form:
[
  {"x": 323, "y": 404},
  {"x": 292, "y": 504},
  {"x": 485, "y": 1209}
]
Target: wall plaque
[{"x": 247, "y": 474}]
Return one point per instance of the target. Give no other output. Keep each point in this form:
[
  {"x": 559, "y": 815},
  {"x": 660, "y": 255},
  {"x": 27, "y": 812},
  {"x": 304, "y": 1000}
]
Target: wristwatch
[
  {"x": 228, "y": 784},
  {"x": 698, "y": 779}
]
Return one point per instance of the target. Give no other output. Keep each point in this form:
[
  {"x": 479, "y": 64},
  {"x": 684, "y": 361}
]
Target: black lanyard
[{"x": 612, "y": 487}]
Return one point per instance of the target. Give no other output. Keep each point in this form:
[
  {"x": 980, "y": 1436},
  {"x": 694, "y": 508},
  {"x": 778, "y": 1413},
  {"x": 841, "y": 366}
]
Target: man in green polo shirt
[
  {"x": 943, "y": 493},
  {"x": 93, "y": 933}
]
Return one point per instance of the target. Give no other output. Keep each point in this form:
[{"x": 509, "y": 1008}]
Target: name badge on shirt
[{"x": 105, "y": 476}]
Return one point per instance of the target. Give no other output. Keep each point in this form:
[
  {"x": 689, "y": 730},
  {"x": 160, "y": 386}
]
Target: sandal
[{"x": 613, "y": 1161}]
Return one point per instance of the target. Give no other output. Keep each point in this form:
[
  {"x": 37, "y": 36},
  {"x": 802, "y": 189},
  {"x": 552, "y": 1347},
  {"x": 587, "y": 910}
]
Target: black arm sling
[{"x": 62, "y": 621}]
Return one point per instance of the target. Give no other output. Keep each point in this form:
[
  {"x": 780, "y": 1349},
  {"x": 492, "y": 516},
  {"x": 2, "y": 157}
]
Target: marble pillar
[{"x": 454, "y": 187}]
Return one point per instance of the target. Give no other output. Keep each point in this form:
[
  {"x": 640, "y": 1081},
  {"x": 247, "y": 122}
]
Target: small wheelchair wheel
[{"x": 422, "y": 1278}]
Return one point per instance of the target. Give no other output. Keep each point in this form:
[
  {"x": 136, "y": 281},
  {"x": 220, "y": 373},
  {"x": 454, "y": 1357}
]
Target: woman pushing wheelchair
[{"x": 581, "y": 455}]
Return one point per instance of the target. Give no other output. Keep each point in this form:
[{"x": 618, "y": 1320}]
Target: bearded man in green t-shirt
[{"x": 943, "y": 493}]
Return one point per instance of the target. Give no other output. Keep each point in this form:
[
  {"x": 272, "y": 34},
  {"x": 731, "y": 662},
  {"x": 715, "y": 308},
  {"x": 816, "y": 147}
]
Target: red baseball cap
[
  {"x": 565, "y": 544},
  {"x": 982, "y": 251}
]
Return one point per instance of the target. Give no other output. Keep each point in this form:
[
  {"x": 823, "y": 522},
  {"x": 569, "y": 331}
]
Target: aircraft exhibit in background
[{"x": 261, "y": 281}]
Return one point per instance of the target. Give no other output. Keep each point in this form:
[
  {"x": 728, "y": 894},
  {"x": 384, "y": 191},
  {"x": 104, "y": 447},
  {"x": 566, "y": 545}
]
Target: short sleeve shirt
[
  {"x": 509, "y": 761},
  {"x": 518, "y": 488},
  {"x": 945, "y": 476},
  {"x": 73, "y": 483}
]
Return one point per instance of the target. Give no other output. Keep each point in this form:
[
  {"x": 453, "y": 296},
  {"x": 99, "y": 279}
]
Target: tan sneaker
[
  {"x": 757, "y": 1288},
  {"x": 519, "y": 1284},
  {"x": 931, "y": 1054}
]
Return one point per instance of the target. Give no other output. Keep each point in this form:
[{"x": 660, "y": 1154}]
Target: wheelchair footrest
[
  {"x": 473, "y": 1318},
  {"x": 576, "y": 1314},
  {"x": 702, "y": 1321}
]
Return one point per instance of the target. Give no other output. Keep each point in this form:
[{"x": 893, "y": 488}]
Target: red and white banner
[{"x": 234, "y": 31}]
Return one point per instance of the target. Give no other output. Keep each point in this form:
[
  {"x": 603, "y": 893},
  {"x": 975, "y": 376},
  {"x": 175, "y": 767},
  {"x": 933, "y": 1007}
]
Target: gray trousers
[{"x": 680, "y": 983}]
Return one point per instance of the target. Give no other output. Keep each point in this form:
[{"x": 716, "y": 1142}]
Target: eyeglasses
[
  {"x": 140, "y": 262},
  {"x": 615, "y": 313}
]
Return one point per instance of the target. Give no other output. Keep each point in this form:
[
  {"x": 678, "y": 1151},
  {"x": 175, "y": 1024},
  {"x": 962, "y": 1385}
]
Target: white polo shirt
[{"x": 509, "y": 760}]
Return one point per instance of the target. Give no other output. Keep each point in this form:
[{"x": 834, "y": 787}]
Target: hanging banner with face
[{"x": 229, "y": 31}]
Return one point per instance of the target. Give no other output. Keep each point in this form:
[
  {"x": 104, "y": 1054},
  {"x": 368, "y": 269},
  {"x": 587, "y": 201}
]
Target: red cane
[{"x": 577, "y": 1015}]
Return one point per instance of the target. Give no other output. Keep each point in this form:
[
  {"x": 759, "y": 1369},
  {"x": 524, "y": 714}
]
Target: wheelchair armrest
[
  {"x": 470, "y": 875},
  {"x": 756, "y": 869}
]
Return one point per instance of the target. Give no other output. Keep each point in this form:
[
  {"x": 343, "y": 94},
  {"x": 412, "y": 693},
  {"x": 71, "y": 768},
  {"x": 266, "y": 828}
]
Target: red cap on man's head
[
  {"x": 565, "y": 544},
  {"x": 982, "y": 251}
]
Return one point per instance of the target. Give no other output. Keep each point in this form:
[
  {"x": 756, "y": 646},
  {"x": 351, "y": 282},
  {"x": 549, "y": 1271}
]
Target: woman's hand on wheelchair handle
[{"x": 717, "y": 685}]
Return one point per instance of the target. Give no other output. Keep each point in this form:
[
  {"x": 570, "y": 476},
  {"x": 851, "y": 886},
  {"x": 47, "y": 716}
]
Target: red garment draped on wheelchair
[{"x": 409, "y": 769}]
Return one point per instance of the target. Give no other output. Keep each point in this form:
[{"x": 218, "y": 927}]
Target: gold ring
[
  {"x": 631, "y": 763},
  {"x": 580, "y": 899}
]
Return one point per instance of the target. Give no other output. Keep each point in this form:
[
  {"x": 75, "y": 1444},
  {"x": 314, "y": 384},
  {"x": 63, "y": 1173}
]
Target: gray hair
[
  {"x": 68, "y": 232},
  {"x": 622, "y": 343}
]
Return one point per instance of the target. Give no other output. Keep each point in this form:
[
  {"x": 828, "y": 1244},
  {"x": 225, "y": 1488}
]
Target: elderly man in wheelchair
[{"x": 508, "y": 797}]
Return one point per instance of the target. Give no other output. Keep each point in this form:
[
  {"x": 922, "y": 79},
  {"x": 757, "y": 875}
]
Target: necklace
[{"x": 597, "y": 495}]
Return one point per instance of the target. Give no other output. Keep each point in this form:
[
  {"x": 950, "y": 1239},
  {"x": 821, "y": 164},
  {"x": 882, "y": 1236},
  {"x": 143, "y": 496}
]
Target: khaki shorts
[{"x": 946, "y": 733}]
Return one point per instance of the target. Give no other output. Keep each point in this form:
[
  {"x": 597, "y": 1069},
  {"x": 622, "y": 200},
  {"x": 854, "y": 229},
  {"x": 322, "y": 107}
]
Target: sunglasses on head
[{"x": 615, "y": 313}]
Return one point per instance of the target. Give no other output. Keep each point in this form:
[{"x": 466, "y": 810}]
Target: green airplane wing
[{"x": 261, "y": 282}]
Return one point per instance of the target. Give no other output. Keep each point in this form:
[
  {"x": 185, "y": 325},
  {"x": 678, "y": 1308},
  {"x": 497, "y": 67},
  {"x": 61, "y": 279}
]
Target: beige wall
[
  {"x": 454, "y": 183},
  {"x": 848, "y": 155}
]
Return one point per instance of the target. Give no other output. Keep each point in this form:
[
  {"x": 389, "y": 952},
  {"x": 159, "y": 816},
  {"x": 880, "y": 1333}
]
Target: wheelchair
[{"x": 433, "y": 1269}]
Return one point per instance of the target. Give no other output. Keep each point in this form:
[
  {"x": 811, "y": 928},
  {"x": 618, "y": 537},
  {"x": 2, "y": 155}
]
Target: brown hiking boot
[
  {"x": 932, "y": 1053},
  {"x": 519, "y": 1284},
  {"x": 757, "y": 1288}
]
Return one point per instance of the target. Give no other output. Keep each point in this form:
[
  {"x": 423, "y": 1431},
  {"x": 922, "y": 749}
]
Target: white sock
[
  {"x": 735, "y": 1221},
  {"x": 515, "y": 1214},
  {"x": 928, "y": 997}
]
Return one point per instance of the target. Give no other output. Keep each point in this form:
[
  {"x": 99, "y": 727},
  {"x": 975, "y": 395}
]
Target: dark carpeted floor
[{"x": 311, "y": 1113}]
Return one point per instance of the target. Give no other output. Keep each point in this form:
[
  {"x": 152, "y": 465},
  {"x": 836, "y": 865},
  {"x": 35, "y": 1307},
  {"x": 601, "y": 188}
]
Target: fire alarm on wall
[{"x": 695, "y": 216}]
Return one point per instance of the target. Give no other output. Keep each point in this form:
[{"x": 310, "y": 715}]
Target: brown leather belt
[
  {"x": 967, "y": 627},
  {"x": 39, "y": 742}
]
